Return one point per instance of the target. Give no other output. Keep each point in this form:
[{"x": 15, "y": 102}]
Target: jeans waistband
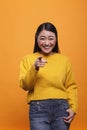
[{"x": 47, "y": 100}]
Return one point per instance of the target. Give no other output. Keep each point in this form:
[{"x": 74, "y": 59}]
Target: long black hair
[{"x": 48, "y": 27}]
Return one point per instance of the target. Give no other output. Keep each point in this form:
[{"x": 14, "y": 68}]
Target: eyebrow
[{"x": 48, "y": 36}]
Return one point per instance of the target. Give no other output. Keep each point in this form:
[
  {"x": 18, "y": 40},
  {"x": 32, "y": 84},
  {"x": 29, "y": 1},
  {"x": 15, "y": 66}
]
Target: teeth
[{"x": 47, "y": 47}]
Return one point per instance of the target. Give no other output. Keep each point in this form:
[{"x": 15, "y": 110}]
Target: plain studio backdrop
[{"x": 19, "y": 20}]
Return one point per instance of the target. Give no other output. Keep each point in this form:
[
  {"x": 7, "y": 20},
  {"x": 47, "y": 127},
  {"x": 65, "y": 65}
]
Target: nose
[{"x": 47, "y": 42}]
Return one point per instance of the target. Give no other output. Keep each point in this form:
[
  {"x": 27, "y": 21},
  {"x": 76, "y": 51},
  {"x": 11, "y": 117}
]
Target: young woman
[{"x": 47, "y": 76}]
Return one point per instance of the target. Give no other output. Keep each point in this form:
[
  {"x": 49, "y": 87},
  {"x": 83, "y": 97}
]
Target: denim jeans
[{"x": 47, "y": 114}]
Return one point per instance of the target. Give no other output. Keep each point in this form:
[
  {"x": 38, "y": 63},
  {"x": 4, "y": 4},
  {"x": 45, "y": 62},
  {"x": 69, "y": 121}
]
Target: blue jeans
[{"x": 47, "y": 114}]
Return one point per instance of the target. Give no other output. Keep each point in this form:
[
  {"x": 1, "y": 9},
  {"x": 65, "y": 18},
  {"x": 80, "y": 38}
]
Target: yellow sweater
[{"x": 53, "y": 81}]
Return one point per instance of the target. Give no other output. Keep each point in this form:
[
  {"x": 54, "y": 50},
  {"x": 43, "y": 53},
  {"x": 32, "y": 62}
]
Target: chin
[{"x": 47, "y": 53}]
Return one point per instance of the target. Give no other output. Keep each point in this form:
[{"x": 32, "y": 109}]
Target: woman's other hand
[{"x": 70, "y": 116}]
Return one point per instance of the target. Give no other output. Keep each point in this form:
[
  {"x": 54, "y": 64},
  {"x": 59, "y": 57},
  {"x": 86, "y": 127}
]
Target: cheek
[
  {"x": 54, "y": 43},
  {"x": 40, "y": 43}
]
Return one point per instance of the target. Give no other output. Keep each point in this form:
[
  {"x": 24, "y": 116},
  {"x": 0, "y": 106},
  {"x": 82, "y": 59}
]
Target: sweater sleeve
[
  {"x": 27, "y": 75},
  {"x": 71, "y": 88}
]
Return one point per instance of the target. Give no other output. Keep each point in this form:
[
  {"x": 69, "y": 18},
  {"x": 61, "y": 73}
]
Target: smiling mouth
[{"x": 47, "y": 47}]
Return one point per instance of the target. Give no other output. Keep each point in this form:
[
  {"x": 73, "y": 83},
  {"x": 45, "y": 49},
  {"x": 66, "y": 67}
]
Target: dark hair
[{"x": 49, "y": 27}]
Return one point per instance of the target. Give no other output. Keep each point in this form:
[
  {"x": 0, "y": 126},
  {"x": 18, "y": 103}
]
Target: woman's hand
[
  {"x": 70, "y": 116},
  {"x": 40, "y": 62}
]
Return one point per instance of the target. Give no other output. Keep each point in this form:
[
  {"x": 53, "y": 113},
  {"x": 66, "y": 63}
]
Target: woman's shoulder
[
  {"x": 30, "y": 55},
  {"x": 62, "y": 56},
  {"x": 63, "y": 59}
]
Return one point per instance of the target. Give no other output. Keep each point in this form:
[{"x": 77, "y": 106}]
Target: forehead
[{"x": 46, "y": 33}]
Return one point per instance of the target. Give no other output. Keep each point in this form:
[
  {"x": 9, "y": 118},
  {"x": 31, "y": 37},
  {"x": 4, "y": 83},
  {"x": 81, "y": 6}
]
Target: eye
[
  {"x": 51, "y": 38},
  {"x": 42, "y": 38}
]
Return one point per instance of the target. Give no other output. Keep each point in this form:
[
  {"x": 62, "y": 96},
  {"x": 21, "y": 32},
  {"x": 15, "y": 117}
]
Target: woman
[{"x": 47, "y": 76}]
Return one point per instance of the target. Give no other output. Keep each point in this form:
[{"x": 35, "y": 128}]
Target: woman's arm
[
  {"x": 27, "y": 75},
  {"x": 71, "y": 88}
]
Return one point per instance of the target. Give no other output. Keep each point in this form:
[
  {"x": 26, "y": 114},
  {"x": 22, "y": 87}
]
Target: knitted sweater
[{"x": 53, "y": 81}]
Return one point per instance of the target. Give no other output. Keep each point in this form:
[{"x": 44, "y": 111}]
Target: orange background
[{"x": 18, "y": 22}]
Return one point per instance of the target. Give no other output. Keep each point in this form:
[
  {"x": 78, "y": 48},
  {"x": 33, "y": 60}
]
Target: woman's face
[{"x": 46, "y": 41}]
